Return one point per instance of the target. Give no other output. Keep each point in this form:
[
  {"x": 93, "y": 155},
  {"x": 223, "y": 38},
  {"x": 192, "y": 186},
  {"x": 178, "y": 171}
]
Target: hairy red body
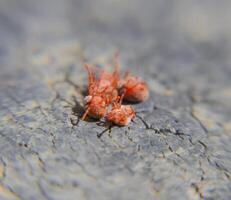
[
  {"x": 121, "y": 115},
  {"x": 102, "y": 92},
  {"x": 135, "y": 89},
  {"x": 103, "y": 98}
]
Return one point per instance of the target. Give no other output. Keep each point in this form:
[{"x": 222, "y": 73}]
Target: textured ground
[{"x": 178, "y": 147}]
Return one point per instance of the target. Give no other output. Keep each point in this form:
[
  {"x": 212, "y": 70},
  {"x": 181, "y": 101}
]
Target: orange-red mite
[
  {"x": 101, "y": 92},
  {"x": 121, "y": 115},
  {"x": 135, "y": 89},
  {"x": 95, "y": 107}
]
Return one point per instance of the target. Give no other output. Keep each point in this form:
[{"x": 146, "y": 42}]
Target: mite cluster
[{"x": 106, "y": 92}]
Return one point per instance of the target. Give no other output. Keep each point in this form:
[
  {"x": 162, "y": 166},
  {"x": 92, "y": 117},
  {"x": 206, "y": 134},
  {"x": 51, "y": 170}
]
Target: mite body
[
  {"x": 103, "y": 98},
  {"x": 102, "y": 92},
  {"x": 108, "y": 84},
  {"x": 134, "y": 89},
  {"x": 95, "y": 107},
  {"x": 121, "y": 115}
]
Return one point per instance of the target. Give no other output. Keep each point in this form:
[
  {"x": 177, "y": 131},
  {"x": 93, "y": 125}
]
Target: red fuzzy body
[
  {"x": 95, "y": 107},
  {"x": 135, "y": 89},
  {"x": 102, "y": 92},
  {"x": 121, "y": 116}
]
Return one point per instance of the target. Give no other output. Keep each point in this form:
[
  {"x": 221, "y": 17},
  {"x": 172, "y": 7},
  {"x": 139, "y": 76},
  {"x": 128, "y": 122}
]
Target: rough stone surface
[{"x": 178, "y": 146}]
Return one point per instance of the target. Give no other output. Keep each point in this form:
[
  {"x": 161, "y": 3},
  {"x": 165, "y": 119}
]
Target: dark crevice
[
  {"x": 129, "y": 138},
  {"x": 145, "y": 124},
  {"x": 204, "y": 145},
  {"x": 197, "y": 190},
  {"x": 202, "y": 170},
  {"x": 170, "y": 148},
  {"x": 227, "y": 175},
  {"x": 222, "y": 168},
  {"x": 177, "y": 132},
  {"x": 53, "y": 140}
]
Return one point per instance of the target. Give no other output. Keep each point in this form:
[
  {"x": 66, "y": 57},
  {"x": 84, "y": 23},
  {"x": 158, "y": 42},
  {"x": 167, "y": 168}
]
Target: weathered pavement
[{"x": 178, "y": 147}]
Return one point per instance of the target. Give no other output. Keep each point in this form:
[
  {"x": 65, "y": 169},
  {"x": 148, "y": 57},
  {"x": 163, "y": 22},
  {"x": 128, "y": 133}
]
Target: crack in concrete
[{"x": 197, "y": 190}]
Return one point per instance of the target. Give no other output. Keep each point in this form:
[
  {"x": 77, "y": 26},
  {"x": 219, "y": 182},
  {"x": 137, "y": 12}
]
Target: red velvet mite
[
  {"x": 120, "y": 115},
  {"x": 101, "y": 92},
  {"x": 134, "y": 89}
]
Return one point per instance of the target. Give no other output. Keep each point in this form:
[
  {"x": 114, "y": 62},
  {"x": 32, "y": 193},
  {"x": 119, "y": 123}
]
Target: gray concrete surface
[{"x": 178, "y": 147}]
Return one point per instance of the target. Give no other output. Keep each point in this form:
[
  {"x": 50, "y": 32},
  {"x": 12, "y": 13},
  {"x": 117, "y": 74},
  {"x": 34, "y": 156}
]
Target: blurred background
[
  {"x": 173, "y": 29},
  {"x": 182, "y": 39}
]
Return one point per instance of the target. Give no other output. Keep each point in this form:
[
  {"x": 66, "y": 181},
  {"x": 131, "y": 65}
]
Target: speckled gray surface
[{"x": 179, "y": 145}]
